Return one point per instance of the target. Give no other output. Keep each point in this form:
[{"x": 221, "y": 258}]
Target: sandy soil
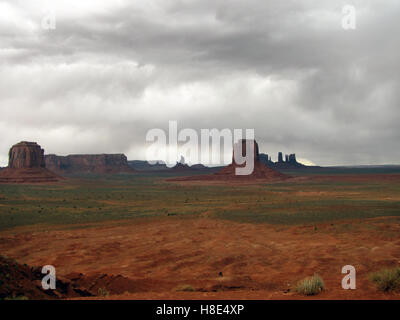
[{"x": 151, "y": 259}]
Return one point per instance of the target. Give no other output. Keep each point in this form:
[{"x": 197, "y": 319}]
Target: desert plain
[{"x": 143, "y": 236}]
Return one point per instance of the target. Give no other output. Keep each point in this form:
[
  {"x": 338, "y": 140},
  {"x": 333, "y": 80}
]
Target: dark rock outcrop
[
  {"x": 280, "y": 157},
  {"x": 88, "y": 163},
  {"x": 26, "y": 164},
  {"x": 143, "y": 165},
  {"x": 199, "y": 166},
  {"x": 289, "y": 163},
  {"x": 181, "y": 167},
  {"x": 24, "y": 282}
]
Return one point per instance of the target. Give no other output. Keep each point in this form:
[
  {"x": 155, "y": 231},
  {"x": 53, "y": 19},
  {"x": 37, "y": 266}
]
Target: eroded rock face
[
  {"x": 26, "y": 155},
  {"x": 88, "y": 163},
  {"x": 289, "y": 163},
  {"x": 26, "y": 165},
  {"x": 260, "y": 171},
  {"x": 240, "y": 147}
]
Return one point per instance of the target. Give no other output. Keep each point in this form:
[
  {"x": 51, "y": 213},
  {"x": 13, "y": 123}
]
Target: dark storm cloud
[{"x": 110, "y": 71}]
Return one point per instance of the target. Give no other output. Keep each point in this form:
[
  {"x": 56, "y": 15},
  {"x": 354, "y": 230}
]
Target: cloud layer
[{"x": 112, "y": 70}]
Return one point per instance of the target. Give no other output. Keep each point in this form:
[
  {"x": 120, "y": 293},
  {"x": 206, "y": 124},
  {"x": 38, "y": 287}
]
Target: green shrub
[
  {"x": 103, "y": 292},
  {"x": 16, "y": 298},
  {"x": 387, "y": 279},
  {"x": 310, "y": 286}
]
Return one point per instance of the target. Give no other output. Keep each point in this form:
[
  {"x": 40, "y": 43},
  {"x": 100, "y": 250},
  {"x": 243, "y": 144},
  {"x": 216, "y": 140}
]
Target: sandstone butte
[
  {"x": 260, "y": 173},
  {"x": 26, "y": 165}
]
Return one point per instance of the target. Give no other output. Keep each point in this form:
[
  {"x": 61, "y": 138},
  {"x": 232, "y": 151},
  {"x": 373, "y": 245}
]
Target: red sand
[{"x": 257, "y": 261}]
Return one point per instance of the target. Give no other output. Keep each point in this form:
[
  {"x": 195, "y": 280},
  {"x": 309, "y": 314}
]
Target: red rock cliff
[
  {"x": 260, "y": 171},
  {"x": 88, "y": 163},
  {"x": 26, "y": 165},
  {"x": 26, "y": 155}
]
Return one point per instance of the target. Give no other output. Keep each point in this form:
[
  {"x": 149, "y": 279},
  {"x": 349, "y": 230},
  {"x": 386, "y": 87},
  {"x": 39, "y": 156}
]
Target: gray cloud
[{"x": 112, "y": 71}]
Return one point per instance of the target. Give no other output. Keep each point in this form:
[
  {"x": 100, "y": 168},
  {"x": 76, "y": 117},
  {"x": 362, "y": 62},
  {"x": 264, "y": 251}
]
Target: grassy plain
[{"x": 101, "y": 198}]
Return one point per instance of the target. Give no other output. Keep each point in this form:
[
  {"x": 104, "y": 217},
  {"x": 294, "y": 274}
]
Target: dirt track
[{"x": 218, "y": 259}]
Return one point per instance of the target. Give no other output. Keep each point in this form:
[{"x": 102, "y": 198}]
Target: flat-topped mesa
[
  {"x": 241, "y": 147},
  {"x": 26, "y": 155},
  {"x": 88, "y": 163},
  {"x": 26, "y": 165}
]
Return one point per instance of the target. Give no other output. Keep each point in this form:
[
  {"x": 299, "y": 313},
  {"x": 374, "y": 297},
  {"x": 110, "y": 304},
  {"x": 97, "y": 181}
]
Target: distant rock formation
[
  {"x": 143, "y": 165},
  {"x": 26, "y": 164},
  {"x": 260, "y": 173},
  {"x": 266, "y": 159},
  {"x": 290, "y": 161},
  {"x": 199, "y": 166},
  {"x": 280, "y": 158},
  {"x": 181, "y": 165},
  {"x": 88, "y": 163}
]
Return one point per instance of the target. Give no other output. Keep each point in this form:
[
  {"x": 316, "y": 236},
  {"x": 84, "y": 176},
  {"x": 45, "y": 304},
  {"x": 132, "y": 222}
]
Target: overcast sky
[{"x": 111, "y": 70}]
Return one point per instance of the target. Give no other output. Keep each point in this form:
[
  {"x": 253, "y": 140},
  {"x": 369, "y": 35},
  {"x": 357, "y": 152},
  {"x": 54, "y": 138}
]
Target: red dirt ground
[
  {"x": 28, "y": 175},
  {"x": 151, "y": 258}
]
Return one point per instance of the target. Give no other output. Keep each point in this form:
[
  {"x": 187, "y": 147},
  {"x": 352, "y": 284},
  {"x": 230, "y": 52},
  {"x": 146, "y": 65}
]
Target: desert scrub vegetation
[
  {"x": 310, "y": 286},
  {"x": 16, "y": 298},
  {"x": 121, "y": 197},
  {"x": 103, "y": 292},
  {"x": 387, "y": 280}
]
